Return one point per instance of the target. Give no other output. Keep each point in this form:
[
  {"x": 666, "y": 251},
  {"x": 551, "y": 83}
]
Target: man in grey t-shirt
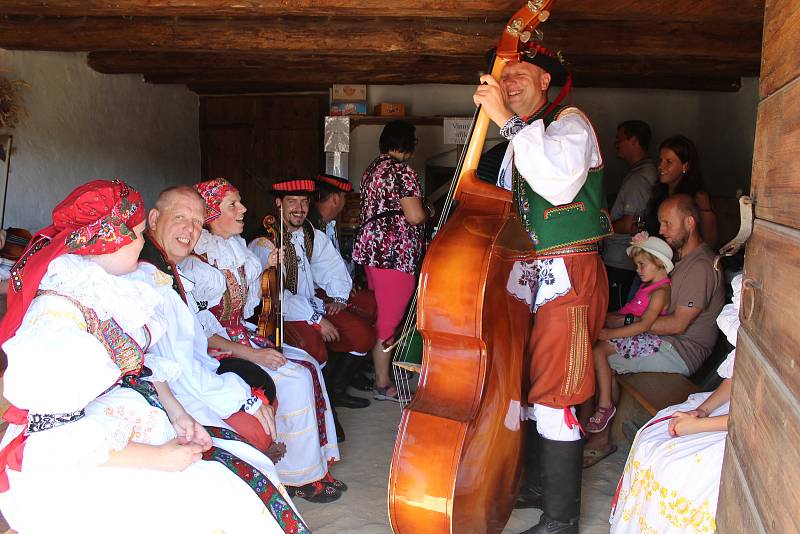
[
  {"x": 632, "y": 142},
  {"x": 689, "y": 331}
]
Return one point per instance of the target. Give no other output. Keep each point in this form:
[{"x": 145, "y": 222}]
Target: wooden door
[
  {"x": 255, "y": 140},
  {"x": 760, "y": 488}
]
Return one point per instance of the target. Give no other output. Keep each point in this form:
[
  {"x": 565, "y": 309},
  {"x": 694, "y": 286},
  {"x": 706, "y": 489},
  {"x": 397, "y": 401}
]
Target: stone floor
[{"x": 367, "y": 454}]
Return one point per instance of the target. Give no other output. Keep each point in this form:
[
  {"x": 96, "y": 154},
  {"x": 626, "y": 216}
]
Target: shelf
[{"x": 358, "y": 120}]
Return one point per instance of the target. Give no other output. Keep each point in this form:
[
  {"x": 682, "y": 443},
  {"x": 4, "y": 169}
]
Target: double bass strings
[{"x": 403, "y": 344}]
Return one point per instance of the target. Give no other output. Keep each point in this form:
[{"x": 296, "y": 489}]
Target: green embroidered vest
[{"x": 583, "y": 221}]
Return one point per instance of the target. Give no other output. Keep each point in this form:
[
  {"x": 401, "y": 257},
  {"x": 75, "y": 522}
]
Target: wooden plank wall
[
  {"x": 254, "y": 140},
  {"x": 760, "y": 491}
]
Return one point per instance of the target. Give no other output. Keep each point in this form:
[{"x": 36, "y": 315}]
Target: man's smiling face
[{"x": 525, "y": 86}]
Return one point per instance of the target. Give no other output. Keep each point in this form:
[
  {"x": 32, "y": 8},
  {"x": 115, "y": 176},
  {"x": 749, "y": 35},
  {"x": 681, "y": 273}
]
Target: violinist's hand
[
  {"x": 333, "y": 307},
  {"x": 275, "y": 257},
  {"x": 328, "y": 331},
  {"x": 492, "y": 97}
]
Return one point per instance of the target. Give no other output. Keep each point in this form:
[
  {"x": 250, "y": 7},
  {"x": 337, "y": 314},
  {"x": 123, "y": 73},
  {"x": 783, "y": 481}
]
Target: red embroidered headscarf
[
  {"x": 96, "y": 218},
  {"x": 213, "y": 191}
]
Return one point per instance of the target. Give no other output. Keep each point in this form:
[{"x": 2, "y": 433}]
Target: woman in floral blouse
[{"x": 389, "y": 239}]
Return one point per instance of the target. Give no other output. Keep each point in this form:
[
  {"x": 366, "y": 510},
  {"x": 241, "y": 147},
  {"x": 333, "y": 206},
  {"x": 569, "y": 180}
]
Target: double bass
[{"x": 456, "y": 461}]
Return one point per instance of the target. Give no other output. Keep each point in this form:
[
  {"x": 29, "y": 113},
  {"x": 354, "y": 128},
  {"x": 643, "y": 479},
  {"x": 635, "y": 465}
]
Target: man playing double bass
[{"x": 554, "y": 168}]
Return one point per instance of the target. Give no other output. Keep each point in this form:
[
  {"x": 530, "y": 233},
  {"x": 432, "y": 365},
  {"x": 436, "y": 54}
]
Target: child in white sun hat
[{"x": 653, "y": 259}]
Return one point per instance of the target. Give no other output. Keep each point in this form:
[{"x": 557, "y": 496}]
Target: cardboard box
[
  {"x": 385, "y": 109},
  {"x": 348, "y": 108},
  {"x": 348, "y": 92}
]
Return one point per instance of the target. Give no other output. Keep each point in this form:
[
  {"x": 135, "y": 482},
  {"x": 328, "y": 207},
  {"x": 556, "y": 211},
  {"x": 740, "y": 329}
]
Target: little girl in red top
[{"x": 653, "y": 259}]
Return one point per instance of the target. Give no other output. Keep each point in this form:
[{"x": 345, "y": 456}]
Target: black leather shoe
[
  {"x": 341, "y": 376},
  {"x": 344, "y": 400},
  {"x": 362, "y": 382},
  {"x": 547, "y": 525}
]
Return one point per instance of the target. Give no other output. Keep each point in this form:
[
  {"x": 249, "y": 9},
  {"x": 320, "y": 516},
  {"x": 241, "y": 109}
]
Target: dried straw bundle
[{"x": 11, "y": 111}]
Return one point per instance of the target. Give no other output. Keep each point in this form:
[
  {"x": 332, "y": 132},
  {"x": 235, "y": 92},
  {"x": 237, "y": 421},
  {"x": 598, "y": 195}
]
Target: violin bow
[{"x": 279, "y": 322}]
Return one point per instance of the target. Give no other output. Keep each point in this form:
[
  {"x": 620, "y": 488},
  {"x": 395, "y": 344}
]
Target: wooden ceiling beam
[
  {"x": 362, "y": 37},
  {"x": 501, "y": 10},
  {"x": 661, "y": 82},
  {"x": 401, "y": 69},
  {"x": 312, "y": 76},
  {"x": 310, "y": 83}
]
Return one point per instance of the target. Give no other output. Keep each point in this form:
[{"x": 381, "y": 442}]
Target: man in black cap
[
  {"x": 331, "y": 196},
  {"x": 312, "y": 263},
  {"x": 554, "y": 168}
]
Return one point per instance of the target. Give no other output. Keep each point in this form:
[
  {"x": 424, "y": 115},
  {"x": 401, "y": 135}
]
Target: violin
[
  {"x": 16, "y": 241},
  {"x": 268, "y": 322}
]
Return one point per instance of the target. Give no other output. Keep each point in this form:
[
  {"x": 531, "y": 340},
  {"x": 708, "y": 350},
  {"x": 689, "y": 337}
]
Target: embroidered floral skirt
[
  {"x": 636, "y": 346},
  {"x": 671, "y": 485}
]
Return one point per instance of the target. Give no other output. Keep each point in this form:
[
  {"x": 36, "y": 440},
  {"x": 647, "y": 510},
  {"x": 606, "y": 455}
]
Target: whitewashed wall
[
  {"x": 721, "y": 124},
  {"x": 82, "y": 125}
]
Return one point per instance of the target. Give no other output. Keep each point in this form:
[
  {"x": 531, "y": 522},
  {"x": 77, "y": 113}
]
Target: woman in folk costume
[
  {"x": 226, "y": 278},
  {"x": 671, "y": 479},
  {"x": 93, "y": 423}
]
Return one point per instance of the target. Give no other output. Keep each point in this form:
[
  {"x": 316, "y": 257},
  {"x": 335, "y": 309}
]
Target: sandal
[
  {"x": 317, "y": 492},
  {"x": 382, "y": 393},
  {"x": 593, "y": 456},
  {"x": 599, "y": 421},
  {"x": 330, "y": 481}
]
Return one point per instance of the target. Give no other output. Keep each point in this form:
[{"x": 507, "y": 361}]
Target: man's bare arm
[{"x": 677, "y": 322}]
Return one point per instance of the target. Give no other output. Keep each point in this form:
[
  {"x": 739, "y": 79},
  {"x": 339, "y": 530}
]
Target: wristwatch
[{"x": 629, "y": 319}]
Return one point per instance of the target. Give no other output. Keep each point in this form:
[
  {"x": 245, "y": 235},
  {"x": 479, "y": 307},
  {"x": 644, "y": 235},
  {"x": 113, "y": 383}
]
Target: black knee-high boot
[
  {"x": 530, "y": 493},
  {"x": 341, "y": 378},
  {"x": 562, "y": 465},
  {"x": 334, "y": 359}
]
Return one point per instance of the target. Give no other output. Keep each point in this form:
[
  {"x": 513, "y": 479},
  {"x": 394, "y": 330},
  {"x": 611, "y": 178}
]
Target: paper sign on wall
[{"x": 456, "y": 129}]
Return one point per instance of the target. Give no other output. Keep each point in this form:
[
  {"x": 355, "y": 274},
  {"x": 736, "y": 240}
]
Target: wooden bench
[{"x": 642, "y": 395}]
